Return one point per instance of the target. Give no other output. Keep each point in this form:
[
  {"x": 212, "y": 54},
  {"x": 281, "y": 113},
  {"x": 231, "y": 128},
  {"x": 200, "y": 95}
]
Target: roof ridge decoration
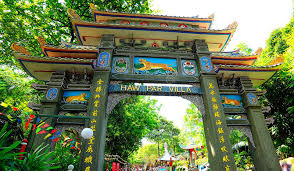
[
  {"x": 73, "y": 14},
  {"x": 53, "y": 58},
  {"x": 211, "y": 16},
  {"x": 20, "y": 49},
  {"x": 236, "y": 53},
  {"x": 233, "y": 25},
  {"x": 93, "y": 7},
  {"x": 277, "y": 60},
  {"x": 274, "y": 66},
  {"x": 110, "y": 11},
  {"x": 258, "y": 51},
  {"x": 167, "y": 28},
  {"x": 66, "y": 45},
  {"x": 42, "y": 41},
  {"x": 87, "y": 28}
]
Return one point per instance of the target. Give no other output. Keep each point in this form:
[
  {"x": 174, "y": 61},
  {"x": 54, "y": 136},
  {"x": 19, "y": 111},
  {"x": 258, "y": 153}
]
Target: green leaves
[
  {"x": 7, "y": 153},
  {"x": 24, "y": 21},
  {"x": 279, "y": 96},
  {"x": 39, "y": 159},
  {"x": 128, "y": 123}
]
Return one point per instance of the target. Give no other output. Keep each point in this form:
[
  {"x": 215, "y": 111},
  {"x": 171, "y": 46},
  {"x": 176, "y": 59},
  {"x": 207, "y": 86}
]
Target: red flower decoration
[
  {"x": 125, "y": 22},
  {"x": 154, "y": 44},
  {"x": 163, "y": 25},
  {"x": 182, "y": 25},
  {"x": 14, "y": 108},
  {"x": 144, "y": 23},
  {"x": 1, "y": 113}
]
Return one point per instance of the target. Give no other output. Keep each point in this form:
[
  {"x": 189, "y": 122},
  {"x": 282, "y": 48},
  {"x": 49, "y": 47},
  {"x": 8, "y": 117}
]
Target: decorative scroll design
[
  {"x": 233, "y": 25},
  {"x": 277, "y": 60},
  {"x": 258, "y": 51},
  {"x": 18, "y": 48},
  {"x": 42, "y": 41},
  {"x": 72, "y": 13},
  {"x": 93, "y": 7},
  {"x": 211, "y": 15}
]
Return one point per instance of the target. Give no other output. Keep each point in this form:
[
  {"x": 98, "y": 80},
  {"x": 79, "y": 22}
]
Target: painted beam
[{"x": 154, "y": 90}]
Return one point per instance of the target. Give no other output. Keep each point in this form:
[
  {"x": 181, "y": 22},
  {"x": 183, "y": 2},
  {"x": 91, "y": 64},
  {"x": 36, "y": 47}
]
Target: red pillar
[
  {"x": 113, "y": 166},
  {"x": 23, "y": 148}
]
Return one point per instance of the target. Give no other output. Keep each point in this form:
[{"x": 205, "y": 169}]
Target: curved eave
[
  {"x": 242, "y": 60},
  {"x": 52, "y": 51},
  {"x": 102, "y": 16},
  {"x": 42, "y": 68},
  {"x": 258, "y": 75},
  {"x": 90, "y": 34}
]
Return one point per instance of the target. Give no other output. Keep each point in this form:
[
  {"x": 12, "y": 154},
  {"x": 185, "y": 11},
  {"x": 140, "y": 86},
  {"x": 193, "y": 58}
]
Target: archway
[{"x": 170, "y": 106}]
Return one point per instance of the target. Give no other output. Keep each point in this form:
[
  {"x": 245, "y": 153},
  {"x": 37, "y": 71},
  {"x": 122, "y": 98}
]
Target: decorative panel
[
  {"x": 75, "y": 100},
  {"x": 231, "y": 101},
  {"x": 155, "y": 66},
  {"x": 189, "y": 68},
  {"x": 120, "y": 65}
]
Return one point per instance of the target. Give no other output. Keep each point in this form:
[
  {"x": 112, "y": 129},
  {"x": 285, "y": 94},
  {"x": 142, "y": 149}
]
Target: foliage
[
  {"x": 16, "y": 91},
  {"x": 65, "y": 156},
  {"x": 165, "y": 131},
  {"x": 14, "y": 84},
  {"x": 146, "y": 154},
  {"x": 280, "y": 89},
  {"x": 39, "y": 159},
  {"x": 241, "y": 152},
  {"x": 23, "y": 21},
  {"x": 193, "y": 127},
  {"x": 244, "y": 49},
  {"x": 128, "y": 123},
  {"x": 8, "y": 153}
]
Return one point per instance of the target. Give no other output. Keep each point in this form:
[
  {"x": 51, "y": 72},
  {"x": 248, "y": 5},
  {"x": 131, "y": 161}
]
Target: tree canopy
[
  {"x": 128, "y": 123},
  {"x": 24, "y": 21},
  {"x": 279, "y": 94}
]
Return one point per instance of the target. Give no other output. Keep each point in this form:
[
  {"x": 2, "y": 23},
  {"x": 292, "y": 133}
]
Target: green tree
[
  {"x": 128, "y": 123},
  {"x": 280, "y": 89},
  {"x": 193, "y": 126},
  {"x": 145, "y": 154},
  {"x": 244, "y": 49},
  {"x": 165, "y": 131},
  {"x": 23, "y": 21}
]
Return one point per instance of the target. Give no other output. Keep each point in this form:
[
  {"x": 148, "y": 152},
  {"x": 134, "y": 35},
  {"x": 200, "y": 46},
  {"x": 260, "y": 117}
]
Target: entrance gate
[{"x": 119, "y": 58}]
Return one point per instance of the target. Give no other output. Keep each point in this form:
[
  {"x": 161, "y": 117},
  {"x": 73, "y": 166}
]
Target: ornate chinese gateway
[{"x": 87, "y": 79}]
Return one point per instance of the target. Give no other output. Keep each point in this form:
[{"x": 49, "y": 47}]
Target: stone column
[
  {"x": 220, "y": 153},
  {"x": 49, "y": 105},
  {"x": 265, "y": 157},
  {"x": 92, "y": 155}
]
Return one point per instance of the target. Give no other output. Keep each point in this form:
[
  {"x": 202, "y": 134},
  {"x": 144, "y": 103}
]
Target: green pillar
[
  {"x": 92, "y": 155},
  {"x": 265, "y": 157},
  {"x": 49, "y": 106},
  {"x": 220, "y": 153}
]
